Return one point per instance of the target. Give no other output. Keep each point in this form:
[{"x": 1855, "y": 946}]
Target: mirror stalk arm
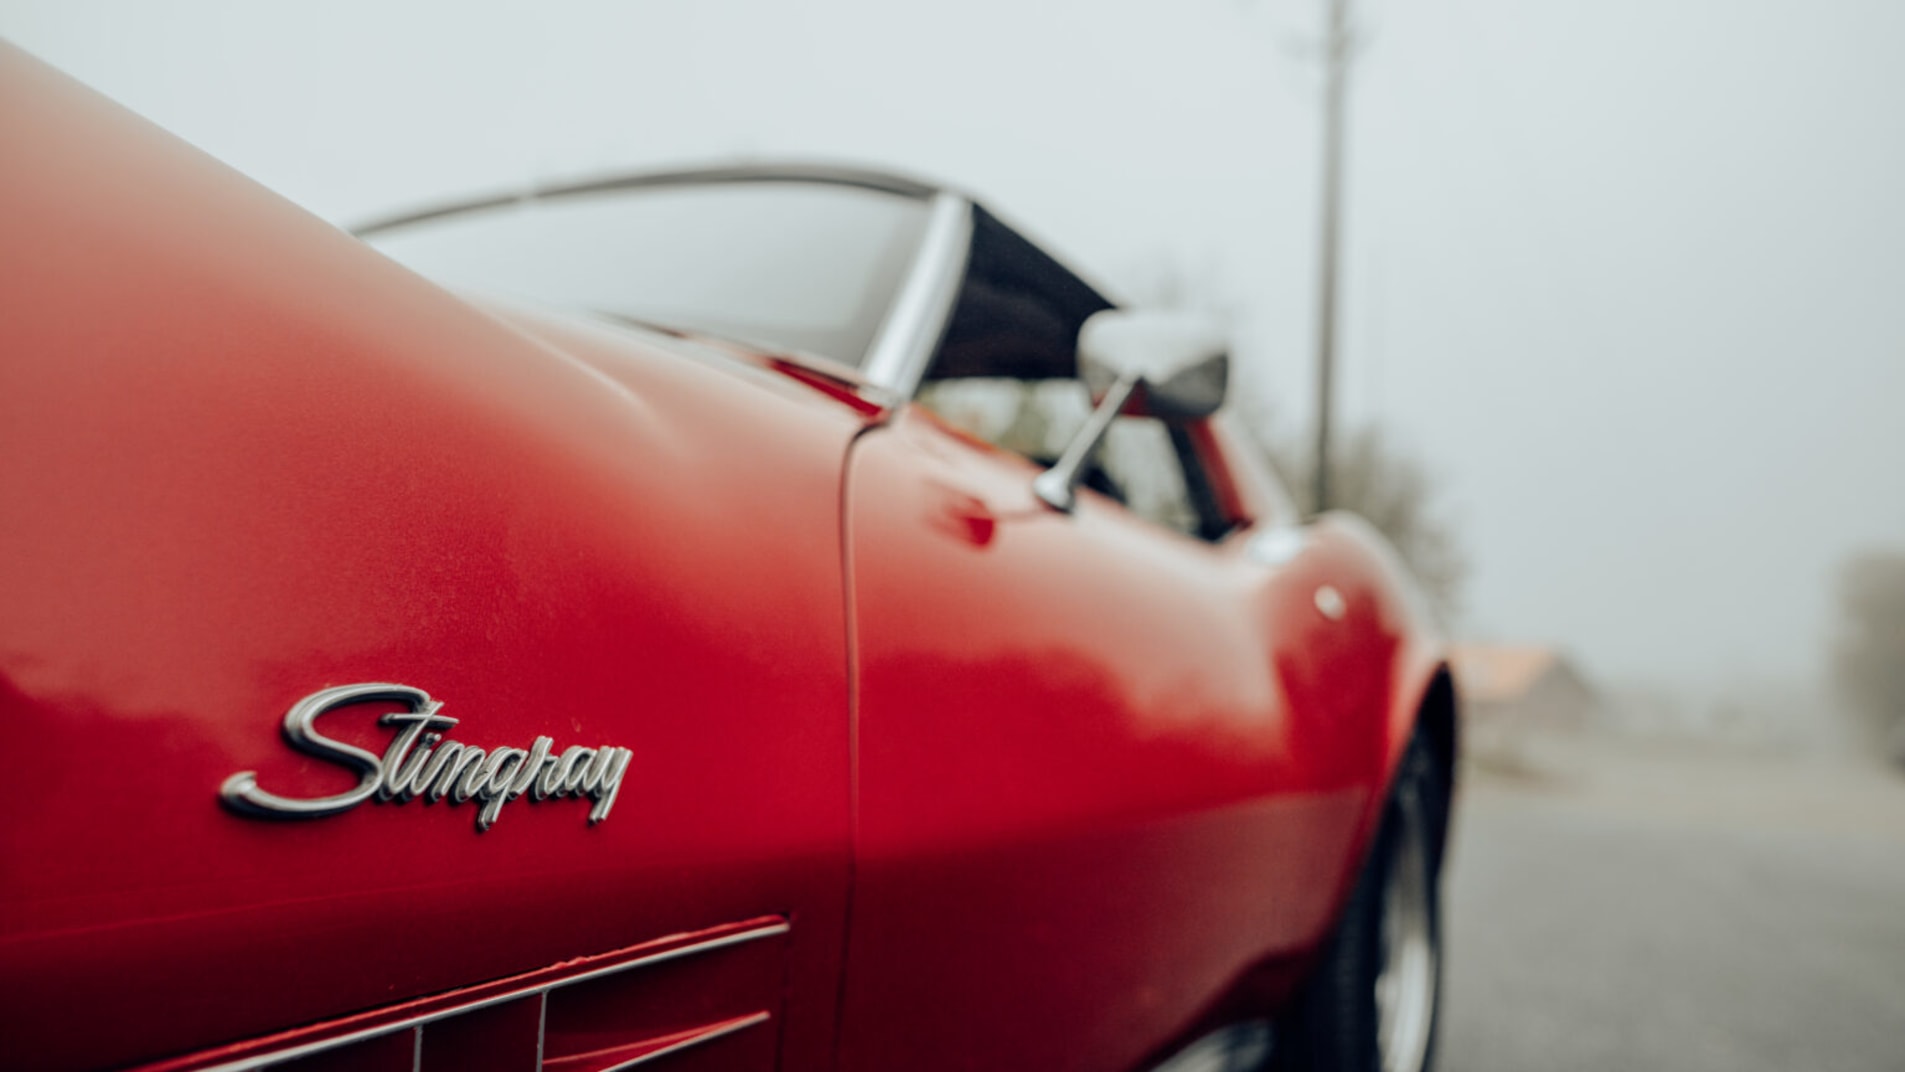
[{"x": 1057, "y": 487}]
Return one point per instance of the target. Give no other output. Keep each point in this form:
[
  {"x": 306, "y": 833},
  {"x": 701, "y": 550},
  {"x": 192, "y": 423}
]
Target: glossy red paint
[
  {"x": 1106, "y": 772},
  {"x": 1030, "y": 790},
  {"x": 245, "y": 458}
]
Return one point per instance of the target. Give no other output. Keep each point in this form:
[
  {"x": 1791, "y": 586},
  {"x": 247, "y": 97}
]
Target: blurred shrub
[
  {"x": 1868, "y": 657},
  {"x": 1393, "y": 491}
]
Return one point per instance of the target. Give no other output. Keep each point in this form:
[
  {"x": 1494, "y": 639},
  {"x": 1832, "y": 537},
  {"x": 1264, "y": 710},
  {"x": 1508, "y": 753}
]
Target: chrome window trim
[
  {"x": 897, "y": 359},
  {"x": 709, "y": 1035},
  {"x": 417, "y": 1023},
  {"x": 793, "y": 171}
]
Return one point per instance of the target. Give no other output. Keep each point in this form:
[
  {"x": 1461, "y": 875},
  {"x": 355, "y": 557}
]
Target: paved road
[{"x": 1653, "y": 912}]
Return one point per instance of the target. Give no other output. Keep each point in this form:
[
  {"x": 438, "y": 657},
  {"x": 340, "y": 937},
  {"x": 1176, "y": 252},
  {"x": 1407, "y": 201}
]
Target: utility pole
[{"x": 1337, "y": 50}]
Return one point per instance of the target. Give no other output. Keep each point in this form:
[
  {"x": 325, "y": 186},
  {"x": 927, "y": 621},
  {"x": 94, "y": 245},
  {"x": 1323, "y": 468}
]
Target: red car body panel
[
  {"x": 246, "y": 457},
  {"x": 872, "y": 688},
  {"x": 1088, "y": 795}
]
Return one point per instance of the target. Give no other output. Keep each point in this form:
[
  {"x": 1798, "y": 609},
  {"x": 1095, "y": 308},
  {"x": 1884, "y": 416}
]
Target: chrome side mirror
[{"x": 1167, "y": 365}]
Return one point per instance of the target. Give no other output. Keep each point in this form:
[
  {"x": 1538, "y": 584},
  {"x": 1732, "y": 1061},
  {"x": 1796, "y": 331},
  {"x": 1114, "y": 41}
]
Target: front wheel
[{"x": 1371, "y": 1004}]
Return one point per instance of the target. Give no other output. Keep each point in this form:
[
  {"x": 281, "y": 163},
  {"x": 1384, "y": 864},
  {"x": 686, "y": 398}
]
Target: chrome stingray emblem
[{"x": 420, "y": 762}]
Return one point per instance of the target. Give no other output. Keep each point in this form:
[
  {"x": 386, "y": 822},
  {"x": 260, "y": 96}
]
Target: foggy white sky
[{"x": 1625, "y": 273}]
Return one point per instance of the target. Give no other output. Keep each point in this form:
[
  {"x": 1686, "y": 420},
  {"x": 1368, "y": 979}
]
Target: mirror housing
[
  {"x": 1171, "y": 366},
  {"x": 1181, "y": 362}
]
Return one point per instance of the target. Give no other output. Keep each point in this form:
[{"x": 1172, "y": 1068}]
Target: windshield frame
[{"x": 916, "y": 317}]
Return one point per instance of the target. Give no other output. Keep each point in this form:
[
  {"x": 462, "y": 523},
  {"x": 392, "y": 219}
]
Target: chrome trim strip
[
  {"x": 897, "y": 358},
  {"x": 249, "y": 1064},
  {"x": 707, "y": 1036},
  {"x": 542, "y": 1028},
  {"x": 664, "y": 956}
]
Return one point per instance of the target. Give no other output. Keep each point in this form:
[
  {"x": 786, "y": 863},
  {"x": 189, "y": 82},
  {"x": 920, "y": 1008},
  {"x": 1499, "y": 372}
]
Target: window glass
[
  {"x": 1137, "y": 463},
  {"x": 783, "y": 264},
  {"x": 1140, "y": 458},
  {"x": 1035, "y": 418}
]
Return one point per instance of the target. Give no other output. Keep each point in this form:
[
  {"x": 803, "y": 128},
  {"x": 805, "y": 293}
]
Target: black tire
[{"x": 1338, "y": 1021}]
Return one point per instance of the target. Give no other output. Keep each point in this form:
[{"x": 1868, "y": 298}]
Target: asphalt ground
[{"x": 1625, "y": 909}]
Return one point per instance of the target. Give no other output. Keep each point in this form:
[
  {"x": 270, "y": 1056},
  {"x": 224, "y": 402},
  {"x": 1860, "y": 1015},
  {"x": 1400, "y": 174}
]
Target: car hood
[
  {"x": 246, "y": 458},
  {"x": 621, "y": 351}
]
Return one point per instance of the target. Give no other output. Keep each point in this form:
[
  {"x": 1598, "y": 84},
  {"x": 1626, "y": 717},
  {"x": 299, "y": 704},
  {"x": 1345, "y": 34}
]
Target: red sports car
[{"x": 769, "y": 617}]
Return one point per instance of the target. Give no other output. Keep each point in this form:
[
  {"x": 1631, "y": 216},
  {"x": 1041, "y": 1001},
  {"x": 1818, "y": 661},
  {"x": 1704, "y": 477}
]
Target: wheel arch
[
  {"x": 1426, "y": 705},
  {"x": 1437, "y": 721}
]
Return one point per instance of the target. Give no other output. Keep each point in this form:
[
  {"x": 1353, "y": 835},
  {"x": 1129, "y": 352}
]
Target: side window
[
  {"x": 1142, "y": 462},
  {"x": 1141, "y": 458},
  {"x": 1031, "y": 417}
]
